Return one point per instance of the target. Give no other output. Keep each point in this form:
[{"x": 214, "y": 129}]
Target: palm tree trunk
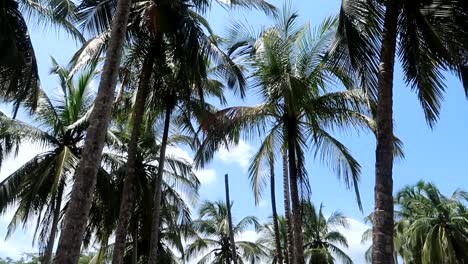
[
  {"x": 286, "y": 254},
  {"x": 76, "y": 217},
  {"x": 296, "y": 203},
  {"x": 158, "y": 189},
  {"x": 55, "y": 222},
  {"x": 382, "y": 232},
  {"x": 126, "y": 204},
  {"x": 287, "y": 211},
  {"x": 279, "y": 252},
  {"x": 231, "y": 231}
]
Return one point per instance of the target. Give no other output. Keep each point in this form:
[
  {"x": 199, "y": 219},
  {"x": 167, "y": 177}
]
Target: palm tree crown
[
  {"x": 433, "y": 225},
  {"x": 323, "y": 243},
  {"x": 213, "y": 235}
]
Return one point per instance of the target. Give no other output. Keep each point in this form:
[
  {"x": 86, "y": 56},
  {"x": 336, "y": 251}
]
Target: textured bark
[
  {"x": 76, "y": 217},
  {"x": 231, "y": 231},
  {"x": 158, "y": 189},
  {"x": 382, "y": 232},
  {"x": 279, "y": 252},
  {"x": 295, "y": 201},
  {"x": 287, "y": 211},
  {"x": 53, "y": 231},
  {"x": 285, "y": 251},
  {"x": 126, "y": 204}
]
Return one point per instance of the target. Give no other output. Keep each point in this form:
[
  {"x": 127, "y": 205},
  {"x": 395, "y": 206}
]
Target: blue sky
[{"x": 437, "y": 155}]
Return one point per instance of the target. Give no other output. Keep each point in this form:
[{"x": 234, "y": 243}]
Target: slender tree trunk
[
  {"x": 296, "y": 203},
  {"x": 128, "y": 192},
  {"x": 287, "y": 211},
  {"x": 279, "y": 252},
  {"x": 158, "y": 189},
  {"x": 286, "y": 254},
  {"x": 382, "y": 232},
  {"x": 231, "y": 231},
  {"x": 76, "y": 217},
  {"x": 55, "y": 222}
]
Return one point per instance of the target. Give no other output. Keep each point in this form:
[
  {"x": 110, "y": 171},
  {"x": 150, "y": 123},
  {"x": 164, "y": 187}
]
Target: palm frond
[{"x": 336, "y": 155}]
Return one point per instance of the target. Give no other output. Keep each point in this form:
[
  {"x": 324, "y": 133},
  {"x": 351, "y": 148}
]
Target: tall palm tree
[
  {"x": 162, "y": 17},
  {"x": 436, "y": 229},
  {"x": 428, "y": 37},
  {"x": 74, "y": 223},
  {"x": 292, "y": 77},
  {"x": 130, "y": 173},
  {"x": 322, "y": 240},
  {"x": 213, "y": 229},
  {"x": 38, "y": 187}
]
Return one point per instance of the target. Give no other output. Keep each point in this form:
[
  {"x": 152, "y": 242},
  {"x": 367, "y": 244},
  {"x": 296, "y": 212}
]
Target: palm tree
[
  {"x": 213, "y": 229},
  {"x": 74, "y": 223},
  {"x": 38, "y": 187},
  {"x": 182, "y": 95},
  {"x": 268, "y": 239},
  {"x": 137, "y": 118},
  {"x": 322, "y": 240},
  {"x": 163, "y": 17},
  {"x": 428, "y": 37},
  {"x": 292, "y": 77},
  {"x": 436, "y": 229},
  {"x": 180, "y": 190}
]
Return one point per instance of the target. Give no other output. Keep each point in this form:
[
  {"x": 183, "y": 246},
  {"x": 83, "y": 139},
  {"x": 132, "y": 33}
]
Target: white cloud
[
  {"x": 20, "y": 241},
  {"x": 353, "y": 234},
  {"x": 206, "y": 176},
  {"x": 26, "y": 152},
  {"x": 179, "y": 153},
  {"x": 10, "y": 164},
  {"x": 8, "y": 250},
  {"x": 263, "y": 203},
  {"x": 248, "y": 235},
  {"x": 18, "y": 244},
  {"x": 239, "y": 154}
]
